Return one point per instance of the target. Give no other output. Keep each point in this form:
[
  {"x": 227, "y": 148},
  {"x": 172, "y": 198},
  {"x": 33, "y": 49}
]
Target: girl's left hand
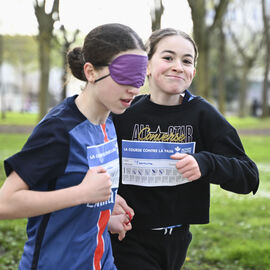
[
  {"x": 119, "y": 224},
  {"x": 121, "y": 207},
  {"x": 187, "y": 166}
]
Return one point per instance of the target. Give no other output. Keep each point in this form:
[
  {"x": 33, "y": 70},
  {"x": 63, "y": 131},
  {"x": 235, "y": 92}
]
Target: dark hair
[
  {"x": 158, "y": 35},
  {"x": 100, "y": 45}
]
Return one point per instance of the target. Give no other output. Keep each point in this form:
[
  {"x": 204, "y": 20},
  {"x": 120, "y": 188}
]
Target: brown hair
[
  {"x": 158, "y": 35},
  {"x": 100, "y": 45}
]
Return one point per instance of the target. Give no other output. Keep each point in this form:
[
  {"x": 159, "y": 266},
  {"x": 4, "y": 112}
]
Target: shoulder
[
  {"x": 139, "y": 98},
  {"x": 211, "y": 118},
  {"x": 52, "y": 128}
]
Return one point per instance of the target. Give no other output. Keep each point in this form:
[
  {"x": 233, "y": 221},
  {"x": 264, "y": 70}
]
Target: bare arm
[{"x": 17, "y": 201}]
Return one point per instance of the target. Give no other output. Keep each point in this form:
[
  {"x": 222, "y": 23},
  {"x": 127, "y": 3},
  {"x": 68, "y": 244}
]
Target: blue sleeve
[{"x": 44, "y": 156}]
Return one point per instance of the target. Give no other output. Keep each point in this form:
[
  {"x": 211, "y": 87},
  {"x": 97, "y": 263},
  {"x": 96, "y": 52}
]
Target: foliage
[
  {"x": 22, "y": 51},
  {"x": 232, "y": 78},
  {"x": 12, "y": 238}
]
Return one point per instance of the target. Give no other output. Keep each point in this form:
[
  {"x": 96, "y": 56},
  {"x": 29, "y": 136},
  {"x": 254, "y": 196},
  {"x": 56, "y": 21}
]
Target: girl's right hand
[{"x": 96, "y": 185}]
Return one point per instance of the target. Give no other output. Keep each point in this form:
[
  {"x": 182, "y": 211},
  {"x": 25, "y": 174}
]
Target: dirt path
[{"x": 15, "y": 129}]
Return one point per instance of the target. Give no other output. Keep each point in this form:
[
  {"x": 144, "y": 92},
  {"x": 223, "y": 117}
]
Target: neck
[
  {"x": 91, "y": 108},
  {"x": 166, "y": 99}
]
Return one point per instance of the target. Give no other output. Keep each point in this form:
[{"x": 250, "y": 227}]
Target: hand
[
  {"x": 96, "y": 185},
  {"x": 121, "y": 207},
  {"x": 187, "y": 166},
  {"x": 119, "y": 224}
]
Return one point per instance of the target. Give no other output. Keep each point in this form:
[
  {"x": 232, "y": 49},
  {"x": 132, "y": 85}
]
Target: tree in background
[
  {"x": 45, "y": 36},
  {"x": 202, "y": 11},
  {"x": 65, "y": 48},
  {"x": 21, "y": 52},
  {"x": 156, "y": 14},
  {"x": 266, "y": 84},
  {"x": 3, "y": 115},
  {"x": 221, "y": 85},
  {"x": 248, "y": 41}
]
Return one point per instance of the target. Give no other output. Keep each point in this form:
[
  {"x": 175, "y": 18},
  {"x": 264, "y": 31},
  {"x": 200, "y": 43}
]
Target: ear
[
  {"x": 194, "y": 72},
  {"x": 89, "y": 72},
  {"x": 148, "y": 71}
]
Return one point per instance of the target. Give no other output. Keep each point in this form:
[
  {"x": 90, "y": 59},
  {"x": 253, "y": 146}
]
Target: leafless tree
[
  {"x": 156, "y": 14},
  {"x": 248, "y": 42},
  {"x": 221, "y": 68},
  {"x": 65, "y": 48},
  {"x": 266, "y": 83},
  {"x": 3, "y": 113},
  {"x": 202, "y": 11},
  {"x": 45, "y": 36}
]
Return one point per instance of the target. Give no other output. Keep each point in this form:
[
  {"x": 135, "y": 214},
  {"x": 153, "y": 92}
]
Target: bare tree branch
[{"x": 220, "y": 10}]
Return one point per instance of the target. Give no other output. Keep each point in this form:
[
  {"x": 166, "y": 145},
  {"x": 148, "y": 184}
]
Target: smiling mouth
[{"x": 175, "y": 77}]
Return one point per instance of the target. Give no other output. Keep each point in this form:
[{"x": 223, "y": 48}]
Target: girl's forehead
[{"x": 176, "y": 44}]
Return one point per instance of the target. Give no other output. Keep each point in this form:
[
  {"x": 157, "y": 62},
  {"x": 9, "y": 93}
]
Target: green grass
[
  {"x": 258, "y": 147},
  {"x": 237, "y": 237},
  {"x": 238, "y": 234},
  {"x": 12, "y": 232},
  {"x": 249, "y": 122},
  {"x": 12, "y": 238},
  {"x": 16, "y": 118}
]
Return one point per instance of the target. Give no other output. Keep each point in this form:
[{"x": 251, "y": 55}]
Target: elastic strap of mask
[{"x": 103, "y": 77}]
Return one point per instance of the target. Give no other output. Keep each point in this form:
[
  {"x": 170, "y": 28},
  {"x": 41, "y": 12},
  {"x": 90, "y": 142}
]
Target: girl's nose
[
  {"x": 177, "y": 66},
  {"x": 133, "y": 90}
]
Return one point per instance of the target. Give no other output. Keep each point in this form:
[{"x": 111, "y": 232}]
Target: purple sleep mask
[{"x": 128, "y": 69}]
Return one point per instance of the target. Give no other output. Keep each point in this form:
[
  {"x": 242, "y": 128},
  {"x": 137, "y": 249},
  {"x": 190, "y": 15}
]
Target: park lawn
[
  {"x": 249, "y": 122},
  {"x": 237, "y": 237},
  {"x": 16, "y": 118},
  {"x": 12, "y": 232}
]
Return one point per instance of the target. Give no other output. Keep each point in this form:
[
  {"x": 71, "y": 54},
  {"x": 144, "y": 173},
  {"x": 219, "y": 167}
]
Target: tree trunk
[
  {"x": 44, "y": 58},
  {"x": 23, "y": 89},
  {"x": 248, "y": 59},
  {"x": 65, "y": 48},
  {"x": 45, "y": 36},
  {"x": 265, "y": 103},
  {"x": 2, "y": 90},
  {"x": 156, "y": 14},
  {"x": 243, "y": 92},
  {"x": 199, "y": 33},
  {"x": 202, "y": 77},
  {"x": 202, "y": 35},
  {"x": 64, "y": 75},
  {"x": 221, "y": 71}
]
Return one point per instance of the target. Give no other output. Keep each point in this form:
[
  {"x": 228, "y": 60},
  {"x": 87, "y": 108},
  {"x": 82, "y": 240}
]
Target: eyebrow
[{"x": 172, "y": 52}]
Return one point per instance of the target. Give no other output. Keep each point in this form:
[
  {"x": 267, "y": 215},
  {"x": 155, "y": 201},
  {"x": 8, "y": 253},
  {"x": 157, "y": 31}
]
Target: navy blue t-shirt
[{"x": 57, "y": 155}]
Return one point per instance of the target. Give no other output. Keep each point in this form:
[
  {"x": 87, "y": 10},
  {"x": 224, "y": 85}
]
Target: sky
[{"x": 17, "y": 16}]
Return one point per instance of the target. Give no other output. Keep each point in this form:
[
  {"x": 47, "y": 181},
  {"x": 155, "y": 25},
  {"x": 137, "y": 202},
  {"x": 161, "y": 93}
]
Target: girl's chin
[
  {"x": 118, "y": 111},
  {"x": 175, "y": 91}
]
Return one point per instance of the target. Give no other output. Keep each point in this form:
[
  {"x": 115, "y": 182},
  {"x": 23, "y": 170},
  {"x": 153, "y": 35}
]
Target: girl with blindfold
[
  {"x": 173, "y": 145},
  {"x": 65, "y": 178}
]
